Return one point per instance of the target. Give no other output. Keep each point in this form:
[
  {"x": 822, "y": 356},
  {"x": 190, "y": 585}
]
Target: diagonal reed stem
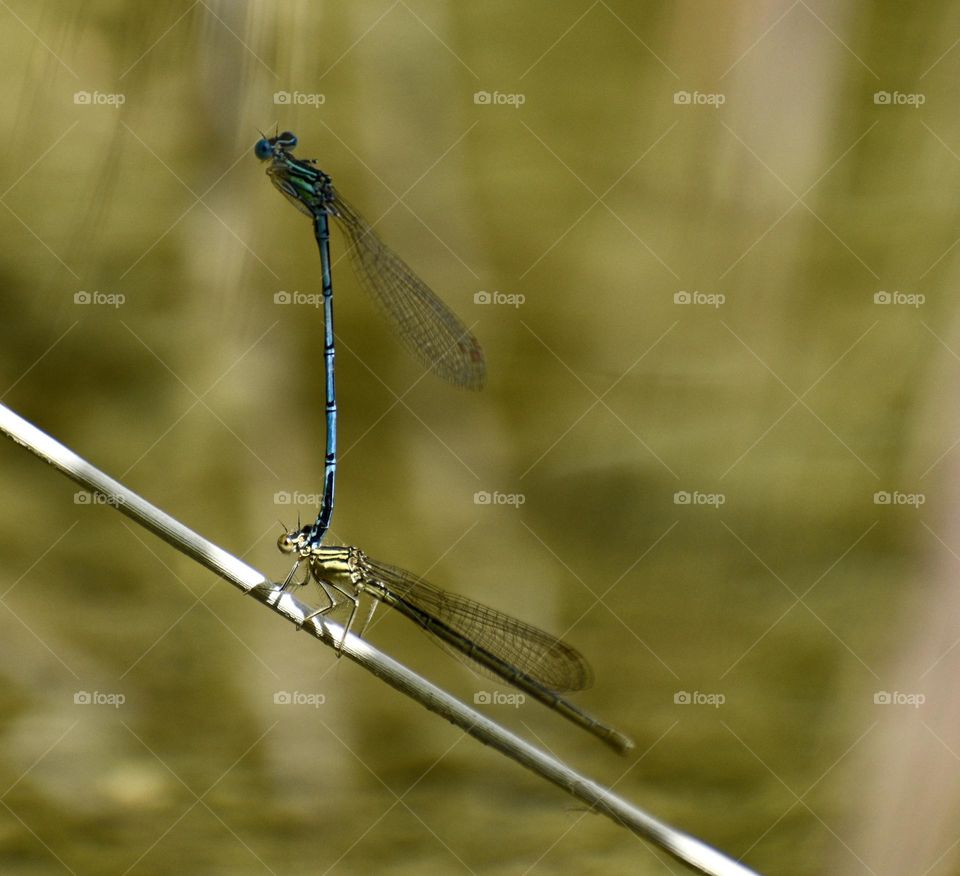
[{"x": 691, "y": 851}]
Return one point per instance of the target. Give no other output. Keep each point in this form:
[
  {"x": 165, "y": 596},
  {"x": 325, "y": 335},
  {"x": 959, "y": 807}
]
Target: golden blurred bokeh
[{"x": 707, "y": 249}]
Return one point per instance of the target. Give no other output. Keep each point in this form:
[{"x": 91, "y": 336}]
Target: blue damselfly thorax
[{"x": 300, "y": 180}]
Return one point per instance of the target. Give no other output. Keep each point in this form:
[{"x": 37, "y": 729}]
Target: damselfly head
[
  {"x": 268, "y": 147},
  {"x": 289, "y": 542},
  {"x": 263, "y": 149},
  {"x": 299, "y": 540}
]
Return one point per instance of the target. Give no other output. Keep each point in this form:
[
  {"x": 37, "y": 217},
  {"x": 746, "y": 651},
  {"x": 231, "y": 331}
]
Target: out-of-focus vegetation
[{"x": 710, "y": 251}]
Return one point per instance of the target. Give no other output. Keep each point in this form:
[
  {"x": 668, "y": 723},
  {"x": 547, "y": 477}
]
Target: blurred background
[{"x": 711, "y": 252}]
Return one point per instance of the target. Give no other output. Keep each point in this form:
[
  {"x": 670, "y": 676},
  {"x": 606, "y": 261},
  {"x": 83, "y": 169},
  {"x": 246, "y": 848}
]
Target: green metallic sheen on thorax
[{"x": 307, "y": 187}]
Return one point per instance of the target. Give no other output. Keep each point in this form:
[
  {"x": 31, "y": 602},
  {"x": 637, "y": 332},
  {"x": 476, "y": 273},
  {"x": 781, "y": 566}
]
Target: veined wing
[
  {"x": 534, "y": 652},
  {"x": 428, "y": 328}
]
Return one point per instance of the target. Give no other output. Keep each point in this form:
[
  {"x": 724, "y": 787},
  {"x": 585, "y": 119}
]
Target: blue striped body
[{"x": 423, "y": 322}]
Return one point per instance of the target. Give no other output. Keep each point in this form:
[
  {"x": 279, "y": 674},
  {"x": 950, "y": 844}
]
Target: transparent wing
[
  {"x": 425, "y": 324},
  {"x": 534, "y": 652}
]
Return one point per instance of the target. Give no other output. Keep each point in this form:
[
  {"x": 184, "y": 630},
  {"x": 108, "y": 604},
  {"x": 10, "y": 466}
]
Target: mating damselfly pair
[{"x": 522, "y": 655}]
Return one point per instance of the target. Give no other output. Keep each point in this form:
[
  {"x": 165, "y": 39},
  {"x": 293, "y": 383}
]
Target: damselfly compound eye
[{"x": 287, "y": 543}]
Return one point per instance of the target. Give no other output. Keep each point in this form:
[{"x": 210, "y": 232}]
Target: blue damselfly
[{"x": 423, "y": 322}]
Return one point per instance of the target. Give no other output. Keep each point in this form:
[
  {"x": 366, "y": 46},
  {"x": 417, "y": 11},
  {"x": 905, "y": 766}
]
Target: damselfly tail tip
[{"x": 620, "y": 743}]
